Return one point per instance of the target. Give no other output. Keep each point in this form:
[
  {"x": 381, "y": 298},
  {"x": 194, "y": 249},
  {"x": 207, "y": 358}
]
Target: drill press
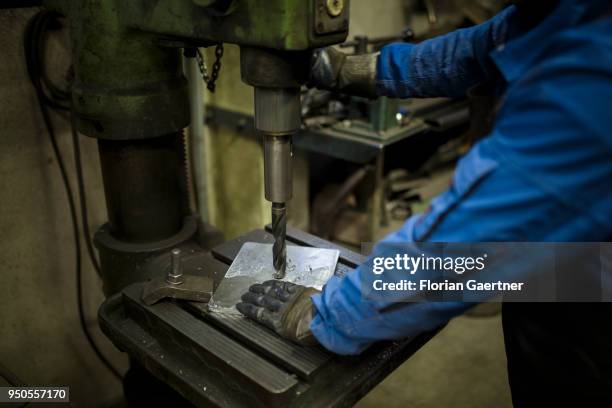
[{"x": 130, "y": 94}]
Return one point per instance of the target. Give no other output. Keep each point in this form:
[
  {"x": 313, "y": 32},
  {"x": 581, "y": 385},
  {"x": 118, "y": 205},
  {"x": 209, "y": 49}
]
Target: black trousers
[{"x": 559, "y": 354}]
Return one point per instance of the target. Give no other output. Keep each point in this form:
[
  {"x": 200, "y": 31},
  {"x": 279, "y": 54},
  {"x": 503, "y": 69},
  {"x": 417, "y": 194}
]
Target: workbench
[{"x": 231, "y": 361}]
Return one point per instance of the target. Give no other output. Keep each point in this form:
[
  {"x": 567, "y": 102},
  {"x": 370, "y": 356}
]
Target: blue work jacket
[{"x": 544, "y": 173}]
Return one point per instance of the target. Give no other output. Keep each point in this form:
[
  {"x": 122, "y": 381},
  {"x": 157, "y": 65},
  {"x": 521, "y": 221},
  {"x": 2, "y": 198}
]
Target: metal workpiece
[
  {"x": 279, "y": 231},
  {"x": 310, "y": 267}
]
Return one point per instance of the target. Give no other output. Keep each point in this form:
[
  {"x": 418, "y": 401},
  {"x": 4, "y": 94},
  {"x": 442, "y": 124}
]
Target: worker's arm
[
  {"x": 443, "y": 66},
  {"x": 544, "y": 174}
]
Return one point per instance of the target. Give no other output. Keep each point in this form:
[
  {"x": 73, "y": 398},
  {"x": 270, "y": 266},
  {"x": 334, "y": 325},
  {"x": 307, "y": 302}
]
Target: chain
[{"x": 216, "y": 68}]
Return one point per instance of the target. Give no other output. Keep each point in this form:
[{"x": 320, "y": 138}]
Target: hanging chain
[{"x": 216, "y": 68}]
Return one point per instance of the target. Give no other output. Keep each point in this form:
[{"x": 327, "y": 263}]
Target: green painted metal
[
  {"x": 278, "y": 24},
  {"x": 126, "y": 85},
  {"x": 128, "y": 77}
]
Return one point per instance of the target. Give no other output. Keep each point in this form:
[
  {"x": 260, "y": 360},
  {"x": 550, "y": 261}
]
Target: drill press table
[{"x": 234, "y": 362}]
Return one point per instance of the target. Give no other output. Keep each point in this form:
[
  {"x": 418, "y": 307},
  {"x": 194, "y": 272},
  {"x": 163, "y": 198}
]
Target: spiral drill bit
[{"x": 279, "y": 231}]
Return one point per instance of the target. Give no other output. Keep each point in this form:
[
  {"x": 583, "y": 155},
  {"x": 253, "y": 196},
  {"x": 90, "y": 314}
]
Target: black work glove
[
  {"x": 284, "y": 307},
  {"x": 334, "y": 70}
]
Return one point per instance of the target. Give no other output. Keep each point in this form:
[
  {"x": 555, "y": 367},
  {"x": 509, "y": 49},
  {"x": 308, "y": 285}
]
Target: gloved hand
[
  {"x": 334, "y": 70},
  {"x": 284, "y": 307}
]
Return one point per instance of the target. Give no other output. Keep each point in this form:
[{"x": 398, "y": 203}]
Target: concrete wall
[
  {"x": 234, "y": 159},
  {"x": 40, "y": 338},
  {"x": 377, "y": 18}
]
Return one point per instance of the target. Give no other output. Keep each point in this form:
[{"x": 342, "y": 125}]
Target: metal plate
[{"x": 306, "y": 266}]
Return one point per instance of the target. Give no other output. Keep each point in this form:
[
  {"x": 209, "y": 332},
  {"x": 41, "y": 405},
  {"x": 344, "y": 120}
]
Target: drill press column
[{"x": 277, "y": 117}]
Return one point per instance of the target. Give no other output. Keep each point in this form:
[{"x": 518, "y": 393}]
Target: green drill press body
[{"x": 128, "y": 76}]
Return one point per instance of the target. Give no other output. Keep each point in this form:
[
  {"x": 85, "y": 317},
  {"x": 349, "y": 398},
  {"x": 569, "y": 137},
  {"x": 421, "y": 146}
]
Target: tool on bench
[{"x": 176, "y": 285}]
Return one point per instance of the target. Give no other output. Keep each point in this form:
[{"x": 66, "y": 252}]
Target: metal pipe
[
  {"x": 197, "y": 136},
  {"x": 278, "y": 169},
  {"x": 144, "y": 184}
]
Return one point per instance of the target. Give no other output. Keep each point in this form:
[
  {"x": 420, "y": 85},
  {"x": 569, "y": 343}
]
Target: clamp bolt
[{"x": 175, "y": 274}]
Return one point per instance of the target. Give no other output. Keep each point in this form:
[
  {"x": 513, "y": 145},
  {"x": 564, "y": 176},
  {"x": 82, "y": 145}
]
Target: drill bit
[{"x": 279, "y": 230}]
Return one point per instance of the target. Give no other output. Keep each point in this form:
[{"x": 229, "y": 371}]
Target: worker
[{"x": 543, "y": 173}]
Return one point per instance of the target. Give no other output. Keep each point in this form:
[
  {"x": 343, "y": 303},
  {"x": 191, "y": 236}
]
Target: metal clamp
[{"x": 177, "y": 286}]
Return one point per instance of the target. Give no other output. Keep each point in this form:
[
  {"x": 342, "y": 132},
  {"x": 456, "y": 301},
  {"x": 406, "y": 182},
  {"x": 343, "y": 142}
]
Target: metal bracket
[
  {"x": 193, "y": 288},
  {"x": 178, "y": 286}
]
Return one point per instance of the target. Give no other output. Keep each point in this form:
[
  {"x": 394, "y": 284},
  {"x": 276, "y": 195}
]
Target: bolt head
[{"x": 335, "y": 7}]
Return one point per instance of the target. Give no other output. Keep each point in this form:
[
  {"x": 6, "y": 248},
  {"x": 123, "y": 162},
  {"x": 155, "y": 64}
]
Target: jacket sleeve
[
  {"x": 445, "y": 66},
  {"x": 544, "y": 174}
]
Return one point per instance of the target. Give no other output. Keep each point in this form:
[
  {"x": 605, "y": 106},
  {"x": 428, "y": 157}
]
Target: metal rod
[
  {"x": 198, "y": 138},
  {"x": 175, "y": 275}
]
